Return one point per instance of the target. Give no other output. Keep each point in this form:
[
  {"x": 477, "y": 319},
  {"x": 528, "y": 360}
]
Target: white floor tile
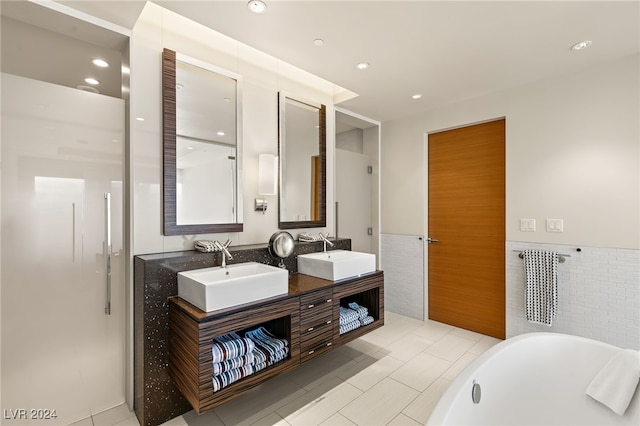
[
  {"x": 421, "y": 371},
  {"x": 260, "y": 402},
  {"x": 460, "y": 364},
  {"x": 207, "y": 419},
  {"x": 422, "y": 407},
  {"x": 380, "y": 404},
  {"x": 450, "y": 347},
  {"x": 408, "y": 347},
  {"x": 272, "y": 419},
  {"x": 113, "y": 416},
  {"x": 485, "y": 343},
  {"x": 320, "y": 403},
  {"x": 403, "y": 420},
  {"x": 321, "y": 369},
  {"x": 338, "y": 420},
  {"x": 433, "y": 330},
  {"x": 367, "y": 373}
]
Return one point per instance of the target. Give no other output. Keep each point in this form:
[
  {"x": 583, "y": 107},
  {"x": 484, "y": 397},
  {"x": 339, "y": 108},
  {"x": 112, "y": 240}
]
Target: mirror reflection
[
  {"x": 202, "y": 147},
  {"x": 205, "y": 146},
  {"x": 302, "y": 163}
]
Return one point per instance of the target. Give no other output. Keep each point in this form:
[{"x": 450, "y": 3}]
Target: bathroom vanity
[
  {"x": 157, "y": 396},
  {"x": 307, "y": 317}
]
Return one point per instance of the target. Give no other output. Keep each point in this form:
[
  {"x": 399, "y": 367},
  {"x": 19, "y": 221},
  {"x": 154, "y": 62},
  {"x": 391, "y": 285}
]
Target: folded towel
[
  {"x": 268, "y": 348},
  {"x": 349, "y": 326},
  {"x": 225, "y": 379},
  {"x": 366, "y": 320},
  {"x": 616, "y": 383},
  {"x": 206, "y": 246},
  {"x": 263, "y": 335},
  {"x": 361, "y": 310},
  {"x": 233, "y": 363},
  {"x": 306, "y": 237},
  {"x": 541, "y": 277},
  {"x": 347, "y": 315},
  {"x": 264, "y": 359},
  {"x": 231, "y": 346}
]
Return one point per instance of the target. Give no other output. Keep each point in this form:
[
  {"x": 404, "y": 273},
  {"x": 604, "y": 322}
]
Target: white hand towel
[{"x": 616, "y": 382}]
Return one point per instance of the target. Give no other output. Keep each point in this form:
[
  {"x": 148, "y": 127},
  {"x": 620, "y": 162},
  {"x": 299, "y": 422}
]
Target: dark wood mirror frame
[
  {"x": 169, "y": 186},
  {"x": 322, "y": 205}
]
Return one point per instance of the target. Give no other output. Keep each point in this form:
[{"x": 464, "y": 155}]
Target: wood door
[{"x": 467, "y": 217}]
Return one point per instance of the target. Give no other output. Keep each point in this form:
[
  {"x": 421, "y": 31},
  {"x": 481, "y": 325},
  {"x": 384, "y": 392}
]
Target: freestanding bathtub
[{"x": 533, "y": 379}]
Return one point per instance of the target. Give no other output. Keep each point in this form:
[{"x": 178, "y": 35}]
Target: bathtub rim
[{"x": 460, "y": 383}]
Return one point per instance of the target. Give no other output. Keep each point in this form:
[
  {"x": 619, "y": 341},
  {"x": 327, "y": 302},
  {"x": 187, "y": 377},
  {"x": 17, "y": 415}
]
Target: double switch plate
[{"x": 553, "y": 225}]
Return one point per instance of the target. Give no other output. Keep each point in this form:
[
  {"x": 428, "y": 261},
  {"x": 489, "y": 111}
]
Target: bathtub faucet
[
  {"x": 223, "y": 251},
  {"x": 325, "y": 241}
]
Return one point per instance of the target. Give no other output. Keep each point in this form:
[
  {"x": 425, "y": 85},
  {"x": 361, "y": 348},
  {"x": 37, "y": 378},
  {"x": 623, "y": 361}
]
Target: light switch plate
[
  {"x": 555, "y": 225},
  {"x": 527, "y": 225}
]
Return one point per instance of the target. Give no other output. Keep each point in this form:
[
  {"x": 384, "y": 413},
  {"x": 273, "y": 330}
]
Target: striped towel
[
  {"x": 541, "y": 277},
  {"x": 366, "y": 320},
  {"x": 349, "y": 326},
  {"x": 347, "y": 315},
  {"x": 233, "y": 363},
  {"x": 265, "y": 362},
  {"x": 361, "y": 310},
  {"x": 225, "y": 379},
  {"x": 231, "y": 346},
  {"x": 268, "y": 348},
  {"x": 262, "y": 335}
]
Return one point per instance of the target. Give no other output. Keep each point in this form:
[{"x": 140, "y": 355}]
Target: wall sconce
[{"x": 267, "y": 179}]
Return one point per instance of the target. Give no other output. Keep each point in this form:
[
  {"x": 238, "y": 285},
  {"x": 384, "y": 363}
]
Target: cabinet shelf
[{"x": 308, "y": 320}]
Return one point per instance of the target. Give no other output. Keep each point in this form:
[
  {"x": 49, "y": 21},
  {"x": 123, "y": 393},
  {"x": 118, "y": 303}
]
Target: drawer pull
[
  {"x": 328, "y": 300},
  {"x": 329, "y": 322},
  {"x": 310, "y": 329},
  {"x": 311, "y": 306},
  {"x": 329, "y": 344},
  {"x": 310, "y": 352}
]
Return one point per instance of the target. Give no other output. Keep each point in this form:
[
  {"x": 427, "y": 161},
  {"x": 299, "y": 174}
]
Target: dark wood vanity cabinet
[{"x": 308, "y": 317}]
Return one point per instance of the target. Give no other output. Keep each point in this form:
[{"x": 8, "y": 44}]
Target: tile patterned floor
[{"x": 391, "y": 376}]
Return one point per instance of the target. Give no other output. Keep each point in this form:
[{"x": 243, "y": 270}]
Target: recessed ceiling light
[
  {"x": 582, "y": 45},
  {"x": 362, "y": 65},
  {"x": 90, "y": 80},
  {"x": 227, "y": 99},
  {"x": 100, "y": 63},
  {"x": 318, "y": 42},
  {"x": 189, "y": 147},
  {"x": 220, "y": 133},
  {"x": 257, "y": 6},
  {"x": 416, "y": 96},
  {"x": 139, "y": 118}
]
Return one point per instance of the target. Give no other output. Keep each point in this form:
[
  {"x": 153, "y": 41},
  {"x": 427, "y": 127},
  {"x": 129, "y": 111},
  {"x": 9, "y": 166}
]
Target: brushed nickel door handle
[{"x": 432, "y": 240}]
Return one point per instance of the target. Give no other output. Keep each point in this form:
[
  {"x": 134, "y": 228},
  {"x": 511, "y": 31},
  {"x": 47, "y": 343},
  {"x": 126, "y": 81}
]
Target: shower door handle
[{"x": 107, "y": 249}]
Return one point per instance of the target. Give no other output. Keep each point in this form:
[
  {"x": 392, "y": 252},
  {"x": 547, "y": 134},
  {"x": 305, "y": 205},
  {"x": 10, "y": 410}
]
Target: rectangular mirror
[
  {"x": 302, "y": 152},
  {"x": 201, "y": 146}
]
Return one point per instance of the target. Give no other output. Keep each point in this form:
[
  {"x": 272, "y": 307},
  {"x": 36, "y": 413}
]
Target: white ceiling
[{"x": 446, "y": 50}]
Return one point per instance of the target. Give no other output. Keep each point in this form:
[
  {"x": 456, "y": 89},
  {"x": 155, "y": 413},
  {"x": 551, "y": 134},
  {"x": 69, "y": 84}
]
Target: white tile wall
[
  {"x": 402, "y": 260},
  {"x": 598, "y": 294}
]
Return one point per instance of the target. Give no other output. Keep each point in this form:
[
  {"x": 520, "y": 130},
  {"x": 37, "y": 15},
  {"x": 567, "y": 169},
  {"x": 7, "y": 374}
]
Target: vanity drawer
[
  {"x": 324, "y": 325},
  {"x": 314, "y": 306},
  {"x": 308, "y": 352}
]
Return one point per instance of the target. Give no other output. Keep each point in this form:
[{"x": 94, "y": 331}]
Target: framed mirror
[
  {"x": 202, "y": 147},
  {"x": 302, "y": 129}
]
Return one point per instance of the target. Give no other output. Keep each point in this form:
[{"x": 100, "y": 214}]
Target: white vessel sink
[
  {"x": 336, "y": 265},
  {"x": 215, "y": 288}
]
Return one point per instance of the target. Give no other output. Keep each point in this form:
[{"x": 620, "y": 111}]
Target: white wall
[
  {"x": 263, "y": 76},
  {"x": 572, "y": 152}
]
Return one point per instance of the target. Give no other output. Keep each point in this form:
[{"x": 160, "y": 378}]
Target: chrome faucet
[
  {"x": 325, "y": 241},
  {"x": 223, "y": 251}
]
